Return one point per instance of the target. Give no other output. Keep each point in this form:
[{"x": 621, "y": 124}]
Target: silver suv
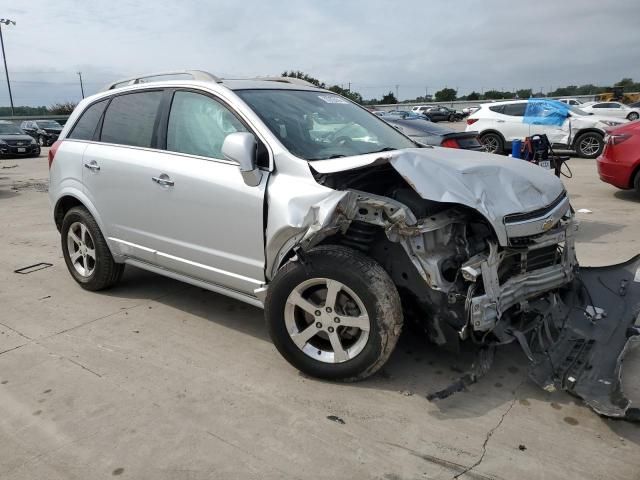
[{"x": 292, "y": 198}]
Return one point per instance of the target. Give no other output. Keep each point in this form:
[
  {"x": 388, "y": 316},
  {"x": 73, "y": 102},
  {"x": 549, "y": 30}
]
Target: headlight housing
[
  {"x": 611, "y": 123},
  {"x": 33, "y": 141}
]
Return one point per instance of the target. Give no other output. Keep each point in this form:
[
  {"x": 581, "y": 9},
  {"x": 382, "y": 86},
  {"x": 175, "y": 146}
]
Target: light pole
[
  {"x": 81, "y": 86},
  {"x": 6, "y": 21}
]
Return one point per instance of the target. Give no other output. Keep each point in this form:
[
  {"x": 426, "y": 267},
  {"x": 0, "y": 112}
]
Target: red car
[{"x": 619, "y": 163}]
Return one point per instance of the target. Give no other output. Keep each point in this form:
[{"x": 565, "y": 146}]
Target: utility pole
[
  {"x": 81, "y": 86},
  {"x": 6, "y": 21},
  {"x": 397, "y": 86},
  {"x": 426, "y": 93},
  {"x": 349, "y": 86}
]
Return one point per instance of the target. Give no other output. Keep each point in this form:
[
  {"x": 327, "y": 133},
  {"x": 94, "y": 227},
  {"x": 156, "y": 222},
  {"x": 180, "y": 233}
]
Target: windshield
[
  {"x": 319, "y": 125},
  {"x": 48, "y": 124},
  {"x": 10, "y": 129}
]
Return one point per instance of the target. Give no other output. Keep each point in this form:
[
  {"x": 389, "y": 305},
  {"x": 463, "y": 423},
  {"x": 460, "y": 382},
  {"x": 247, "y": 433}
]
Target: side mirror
[{"x": 241, "y": 147}]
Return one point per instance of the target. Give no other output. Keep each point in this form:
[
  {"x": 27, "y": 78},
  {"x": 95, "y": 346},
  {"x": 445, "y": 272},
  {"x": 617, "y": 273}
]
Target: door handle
[
  {"x": 92, "y": 165},
  {"x": 500, "y": 121},
  {"x": 163, "y": 180}
]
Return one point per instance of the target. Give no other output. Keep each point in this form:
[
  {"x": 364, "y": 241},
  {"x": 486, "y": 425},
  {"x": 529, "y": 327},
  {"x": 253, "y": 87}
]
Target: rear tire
[
  {"x": 86, "y": 253},
  {"x": 636, "y": 183},
  {"x": 493, "y": 143},
  {"x": 366, "y": 316},
  {"x": 589, "y": 145},
  {"x": 633, "y": 116}
]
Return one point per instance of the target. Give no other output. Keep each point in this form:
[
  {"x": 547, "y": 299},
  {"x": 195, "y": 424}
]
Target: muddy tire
[
  {"x": 86, "y": 253},
  {"x": 492, "y": 143},
  {"x": 589, "y": 145},
  {"x": 334, "y": 314}
]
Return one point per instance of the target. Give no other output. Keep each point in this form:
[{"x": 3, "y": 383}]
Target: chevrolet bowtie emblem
[{"x": 548, "y": 224}]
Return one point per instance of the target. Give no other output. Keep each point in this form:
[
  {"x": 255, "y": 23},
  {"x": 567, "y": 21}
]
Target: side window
[
  {"x": 199, "y": 124},
  {"x": 85, "y": 127},
  {"x": 515, "y": 109},
  {"x": 614, "y": 105},
  {"x": 600, "y": 105},
  {"x": 130, "y": 118},
  {"x": 497, "y": 108}
]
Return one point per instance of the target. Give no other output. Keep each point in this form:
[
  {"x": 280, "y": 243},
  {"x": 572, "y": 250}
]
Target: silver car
[{"x": 292, "y": 198}]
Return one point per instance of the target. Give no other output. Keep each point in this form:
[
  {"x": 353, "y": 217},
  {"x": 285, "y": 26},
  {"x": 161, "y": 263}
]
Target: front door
[{"x": 199, "y": 216}]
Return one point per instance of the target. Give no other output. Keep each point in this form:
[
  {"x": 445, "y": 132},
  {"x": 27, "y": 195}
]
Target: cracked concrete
[{"x": 155, "y": 379}]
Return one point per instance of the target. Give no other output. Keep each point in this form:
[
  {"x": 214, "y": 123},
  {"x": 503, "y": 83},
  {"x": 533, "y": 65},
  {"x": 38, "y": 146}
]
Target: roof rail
[
  {"x": 195, "y": 75},
  {"x": 294, "y": 80}
]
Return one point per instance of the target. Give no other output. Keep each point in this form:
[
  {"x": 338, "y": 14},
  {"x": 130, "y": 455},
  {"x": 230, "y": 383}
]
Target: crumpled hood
[{"x": 493, "y": 185}]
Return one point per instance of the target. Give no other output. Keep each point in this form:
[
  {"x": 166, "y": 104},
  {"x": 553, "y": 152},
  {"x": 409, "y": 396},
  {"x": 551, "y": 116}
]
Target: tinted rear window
[
  {"x": 130, "y": 118},
  {"x": 515, "y": 109},
  {"x": 85, "y": 128},
  {"x": 497, "y": 108}
]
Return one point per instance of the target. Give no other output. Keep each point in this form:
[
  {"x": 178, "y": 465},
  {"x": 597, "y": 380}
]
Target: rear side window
[
  {"x": 515, "y": 109},
  {"x": 497, "y": 108},
  {"x": 130, "y": 119},
  {"x": 85, "y": 128}
]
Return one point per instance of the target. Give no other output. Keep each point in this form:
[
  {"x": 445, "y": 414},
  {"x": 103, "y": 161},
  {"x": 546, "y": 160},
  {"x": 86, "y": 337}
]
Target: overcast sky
[{"x": 373, "y": 44}]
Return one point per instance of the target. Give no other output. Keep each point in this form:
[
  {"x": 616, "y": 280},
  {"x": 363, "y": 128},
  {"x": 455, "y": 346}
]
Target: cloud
[{"x": 373, "y": 44}]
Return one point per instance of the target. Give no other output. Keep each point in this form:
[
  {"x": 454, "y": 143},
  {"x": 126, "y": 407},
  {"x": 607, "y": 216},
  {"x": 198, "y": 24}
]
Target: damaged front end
[{"x": 481, "y": 263}]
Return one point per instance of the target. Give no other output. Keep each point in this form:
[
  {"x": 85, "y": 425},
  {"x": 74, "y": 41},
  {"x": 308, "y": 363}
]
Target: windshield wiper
[{"x": 385, "y": 149}]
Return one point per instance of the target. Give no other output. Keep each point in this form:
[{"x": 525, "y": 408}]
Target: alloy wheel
[
  {"x": 491, "y": 144},
  {"x": 81, "y": 249},
  {"x": 327, "y": 320},
  {"x": 589, "y": 145}
]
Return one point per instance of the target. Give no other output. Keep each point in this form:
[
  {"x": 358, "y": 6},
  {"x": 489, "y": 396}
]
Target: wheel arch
[{"x": 581, "y": 132}]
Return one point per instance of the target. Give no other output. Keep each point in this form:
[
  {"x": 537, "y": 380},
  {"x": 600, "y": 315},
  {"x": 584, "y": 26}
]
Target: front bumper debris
[{"x": 600, "y": 323}]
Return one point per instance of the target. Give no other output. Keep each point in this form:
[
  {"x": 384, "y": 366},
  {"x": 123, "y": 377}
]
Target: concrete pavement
[{"x": 157, "y": 379}]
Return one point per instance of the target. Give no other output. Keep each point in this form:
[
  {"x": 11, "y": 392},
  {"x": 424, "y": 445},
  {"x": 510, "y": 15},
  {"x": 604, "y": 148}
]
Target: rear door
[
  {"x": 191, "y": 206},
  {"x": 114, "y": 170},
  {"x": 510, "y": 121}
]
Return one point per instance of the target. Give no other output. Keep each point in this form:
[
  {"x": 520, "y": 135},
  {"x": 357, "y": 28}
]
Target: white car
[
  {"x": 571, "y": 101},
  {"x": 499, "y": 124},
  {"x": 420, "y": 109},
  {"x": 613, "y": 109}
]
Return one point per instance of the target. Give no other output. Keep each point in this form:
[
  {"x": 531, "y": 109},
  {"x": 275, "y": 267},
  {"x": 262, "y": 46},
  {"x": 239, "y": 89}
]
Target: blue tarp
[{"x": 541, "y": 111}]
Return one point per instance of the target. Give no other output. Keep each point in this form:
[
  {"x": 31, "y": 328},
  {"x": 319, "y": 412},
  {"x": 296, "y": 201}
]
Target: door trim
[
  {"x": 243, "y": 297},
  {"x": 202, "y": 266}
]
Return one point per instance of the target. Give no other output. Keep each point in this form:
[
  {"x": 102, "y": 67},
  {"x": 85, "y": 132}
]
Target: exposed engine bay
[
  {"x": 469, "y": 270},
  {"x": 482, "y": 254}
]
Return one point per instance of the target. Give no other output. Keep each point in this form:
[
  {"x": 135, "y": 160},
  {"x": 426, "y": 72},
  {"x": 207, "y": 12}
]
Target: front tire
[
  {"x": 492, "y": 143},
  {"x": 86, "y": 253},
  {"x": 633, "y": 116},
  {"x": 589, "y": 145},
  {"x": 335, "y": 314}
]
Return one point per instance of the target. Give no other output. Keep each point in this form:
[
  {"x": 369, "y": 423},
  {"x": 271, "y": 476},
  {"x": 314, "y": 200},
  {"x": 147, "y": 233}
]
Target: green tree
[
  {"x": 524, "y": 93},
  {"x": 496, "y": 95},
  {"x": 64, "y": 108},
  {"x": 446, "y": 95},
  {"x": 473, "y": 96},
  {"x": 388, "y": 99},
  {"x": 303, "y": 76},
  {"x": 353, "y": 96}
]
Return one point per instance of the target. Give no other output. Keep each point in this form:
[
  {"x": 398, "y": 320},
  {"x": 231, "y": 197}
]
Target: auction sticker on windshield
[{"x": 332, "y": 99}]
